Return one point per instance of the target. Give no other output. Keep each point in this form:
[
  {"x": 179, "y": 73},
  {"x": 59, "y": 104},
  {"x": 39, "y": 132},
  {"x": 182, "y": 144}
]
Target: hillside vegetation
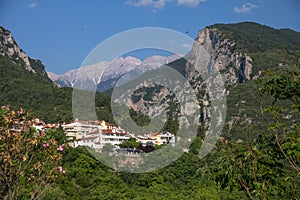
[
  {"x": 267, "y": 46},
  {"x": 36, "y": 93}
]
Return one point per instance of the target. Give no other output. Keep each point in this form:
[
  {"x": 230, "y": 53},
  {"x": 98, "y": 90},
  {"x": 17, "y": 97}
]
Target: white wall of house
[{"x": 91, "y": 134}]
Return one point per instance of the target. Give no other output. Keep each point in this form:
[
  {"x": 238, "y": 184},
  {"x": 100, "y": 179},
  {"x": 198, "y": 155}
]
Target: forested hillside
[
  {"x": 267, "y": 46},
  {"x": 37, "y": 94}
]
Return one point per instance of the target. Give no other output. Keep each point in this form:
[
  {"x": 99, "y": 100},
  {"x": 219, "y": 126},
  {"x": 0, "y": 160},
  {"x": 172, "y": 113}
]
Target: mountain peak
[{"x": 130, "y": 59}]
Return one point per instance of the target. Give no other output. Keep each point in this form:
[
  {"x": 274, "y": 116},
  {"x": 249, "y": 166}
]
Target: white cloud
[
  {"x": 246, "y": 8},
  {"x": 156, "y": 4},
  {"x": 189, "y": 3},
  {"x": 159, "y": 4},
  {"x": 32, "y": 5}
]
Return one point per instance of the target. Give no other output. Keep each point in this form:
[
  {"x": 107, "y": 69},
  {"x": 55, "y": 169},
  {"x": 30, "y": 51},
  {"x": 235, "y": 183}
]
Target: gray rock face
[
  {"x": 91, "y": 72},
  {"x": 10, "y": 48},
  {"x": 234, "y": 66},
  {"x": 211, "y": 52}
]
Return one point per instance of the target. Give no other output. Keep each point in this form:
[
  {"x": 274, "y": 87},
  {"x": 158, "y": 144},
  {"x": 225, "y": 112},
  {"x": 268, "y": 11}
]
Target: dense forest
[{"x": 265, "y": 167}]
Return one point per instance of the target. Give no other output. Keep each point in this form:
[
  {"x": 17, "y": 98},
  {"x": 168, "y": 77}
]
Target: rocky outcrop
[
  {"x": 148, "y": 95},
  {"x": 211, "y": 52},
  {"x": 234, "y": 66},
  {"x": 10, "y": 48}
]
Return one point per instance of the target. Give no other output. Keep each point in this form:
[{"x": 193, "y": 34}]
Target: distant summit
[{"x": 114, "y": 70}]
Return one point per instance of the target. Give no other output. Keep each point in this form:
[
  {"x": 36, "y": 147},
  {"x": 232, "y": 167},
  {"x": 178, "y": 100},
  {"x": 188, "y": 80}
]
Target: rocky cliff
[
  {"x": 233, "y": 65},
  {"x": 10, "y": 48},
  {"x": 212, "y": 64}
]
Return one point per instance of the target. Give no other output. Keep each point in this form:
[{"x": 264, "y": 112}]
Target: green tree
[
  {"x": 29, "y": 159},
  {"x": 285, "y": 91},
  {"x": 261, "y": 166},
  {"x": 130, "y": 143}
]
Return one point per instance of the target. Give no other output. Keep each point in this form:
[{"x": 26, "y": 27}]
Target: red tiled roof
[
  {"x": 109, "y": 124},
  {"x": 106, "y": 131},
  {"x": 144, "y": 138},
  {"x": 155, "y": 134},
  {"x": 111, "y": 132}
]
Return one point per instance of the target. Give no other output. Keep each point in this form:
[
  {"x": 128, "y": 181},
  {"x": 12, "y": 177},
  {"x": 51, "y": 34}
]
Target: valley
[{"x": 255, "y": 155}]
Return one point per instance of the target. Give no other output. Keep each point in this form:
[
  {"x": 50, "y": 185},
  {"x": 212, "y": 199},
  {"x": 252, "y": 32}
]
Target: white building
[
  {"x": 91, "y": 139},
  {"x": 145, "y": 140},
  {"x": 81, "y": 130},
  {"x": 91, "y": 134},
  {"x": 97, "y": 134},
  {"x": 163, "y": 138},
  {"x": 114, "y": 136}
]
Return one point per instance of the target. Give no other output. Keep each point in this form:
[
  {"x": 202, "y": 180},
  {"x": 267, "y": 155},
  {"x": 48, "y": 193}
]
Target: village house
[
  {"x": 81, "y": 129},
  {"x": 114, "y": 137},
  {"x": 107, "y": 126},
  {"x": 90, "y": 139},
  {"x": 145, "y": 140},
  {"x": 112, "y": 134},
  {"x": 97, "y": 134},
  {"x": 78, "y": 128},
  {"x": 163, "y": 138}
]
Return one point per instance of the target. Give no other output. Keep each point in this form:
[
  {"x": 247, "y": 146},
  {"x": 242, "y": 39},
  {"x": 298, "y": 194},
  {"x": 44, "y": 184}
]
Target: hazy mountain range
[{"x": 131, "y": 66}]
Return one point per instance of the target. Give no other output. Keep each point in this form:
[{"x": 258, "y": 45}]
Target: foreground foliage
[{"x": 30, "y": 160}]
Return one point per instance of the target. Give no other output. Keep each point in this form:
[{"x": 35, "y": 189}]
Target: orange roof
[
  {"x": 155, "y": 134},
  {"x": 109, "y": 124},
  {"x": 111, "y": 132},
  {"x": 144, "y": 138}
]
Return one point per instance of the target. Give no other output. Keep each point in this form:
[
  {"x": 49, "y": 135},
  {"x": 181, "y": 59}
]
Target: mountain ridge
[
  {"x": 239, "y": 68},
  {"x": 114, "y": 70},
  {"x": 17, "y": 92}
]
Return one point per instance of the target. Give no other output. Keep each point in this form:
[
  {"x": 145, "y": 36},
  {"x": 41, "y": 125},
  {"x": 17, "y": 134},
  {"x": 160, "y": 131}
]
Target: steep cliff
[
  {"x": 213, "y": 59},
  {"x": 240, "y": 53},
  {"x": 233, "y": 65},
  {"x": 10, "y": 48}
]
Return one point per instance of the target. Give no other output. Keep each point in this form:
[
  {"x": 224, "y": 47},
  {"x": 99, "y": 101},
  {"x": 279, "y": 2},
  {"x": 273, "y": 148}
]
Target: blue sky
[{"x": 61, "y": 33}]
